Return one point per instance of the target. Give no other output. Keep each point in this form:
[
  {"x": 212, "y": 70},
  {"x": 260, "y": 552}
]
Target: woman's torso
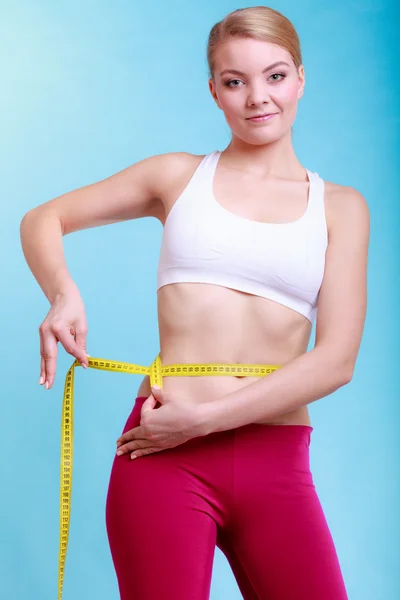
[{"x": 203, "y": 323}]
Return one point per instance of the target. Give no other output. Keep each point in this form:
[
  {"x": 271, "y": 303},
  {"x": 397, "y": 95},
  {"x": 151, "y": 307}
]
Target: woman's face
[{"x": 248, "y": 82}]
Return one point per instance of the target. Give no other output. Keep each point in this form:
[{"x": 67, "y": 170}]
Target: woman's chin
[{"x": 258, "y": 138}]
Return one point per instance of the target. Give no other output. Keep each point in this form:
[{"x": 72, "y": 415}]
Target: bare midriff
[{"x": 206, "y": 323}]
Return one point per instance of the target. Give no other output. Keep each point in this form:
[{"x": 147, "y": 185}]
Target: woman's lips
[{"x": 262, "y": 119}]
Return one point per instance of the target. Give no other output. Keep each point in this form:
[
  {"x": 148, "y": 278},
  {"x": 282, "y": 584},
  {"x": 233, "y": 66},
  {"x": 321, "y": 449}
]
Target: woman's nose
[{"x": 258, "y": 95}]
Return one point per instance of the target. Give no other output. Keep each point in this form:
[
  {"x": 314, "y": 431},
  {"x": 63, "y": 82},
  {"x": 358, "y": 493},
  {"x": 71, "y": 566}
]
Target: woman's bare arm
[{"x": 130, "y": 194}]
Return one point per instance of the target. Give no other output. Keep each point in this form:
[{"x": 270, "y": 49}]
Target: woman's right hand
[{"x": 65, "y": 323}]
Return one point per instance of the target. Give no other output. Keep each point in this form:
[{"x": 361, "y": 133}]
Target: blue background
[{"x": 88, "y": 88}]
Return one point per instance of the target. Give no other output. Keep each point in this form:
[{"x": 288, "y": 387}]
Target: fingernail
[
  {"x": 47, "y": 385},
  {"x": 84, "y": 366},
  {"x": 119, "y": 452},
  {"x": 41, "y": 380},
  {"x": 156, "y": 387}
]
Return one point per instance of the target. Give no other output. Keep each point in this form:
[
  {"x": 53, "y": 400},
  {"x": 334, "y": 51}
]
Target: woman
[{"x": 253, "y": 244}]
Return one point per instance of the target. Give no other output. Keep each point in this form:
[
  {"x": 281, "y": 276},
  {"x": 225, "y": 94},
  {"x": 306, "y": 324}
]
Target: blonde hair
[{"x": 257, "y": 22}]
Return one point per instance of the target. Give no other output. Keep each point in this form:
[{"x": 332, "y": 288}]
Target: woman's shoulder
[
  {"x": 176, "y": 166},
  {"x": 173, "y": 166},
  {"x": 180, "y": 160},
  {"x": 343, "y": 202},
  {"x": 174, "y": 171}
]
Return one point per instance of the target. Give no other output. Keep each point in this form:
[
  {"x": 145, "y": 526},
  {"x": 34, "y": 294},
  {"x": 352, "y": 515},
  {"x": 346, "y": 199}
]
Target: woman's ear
[
  {"x": 302, "y": 81},
  {"x": 213, "y": 91}
]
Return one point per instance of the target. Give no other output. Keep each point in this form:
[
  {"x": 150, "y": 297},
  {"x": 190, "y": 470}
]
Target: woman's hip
[{"x": 267, "y": 450}]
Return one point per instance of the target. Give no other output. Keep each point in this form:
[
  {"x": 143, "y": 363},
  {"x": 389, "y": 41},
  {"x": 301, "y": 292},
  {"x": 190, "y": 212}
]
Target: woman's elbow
[{"x": 346, "y": 372}]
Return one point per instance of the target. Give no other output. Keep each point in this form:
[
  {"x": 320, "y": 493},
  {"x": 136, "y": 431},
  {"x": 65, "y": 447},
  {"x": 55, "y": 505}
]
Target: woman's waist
[
  {"x": 213, "y": 369},
  {"x": 228, "y": 349},
  {"x": 198, "y": 390},
  {"x": 205, "y": 388}
]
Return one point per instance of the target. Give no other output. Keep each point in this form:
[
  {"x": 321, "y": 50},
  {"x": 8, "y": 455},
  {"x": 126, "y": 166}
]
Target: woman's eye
[
  {"x": 278, "y": 75},
  {"x": 228, "y": 83},
  {"x": 275, "y": 78}
]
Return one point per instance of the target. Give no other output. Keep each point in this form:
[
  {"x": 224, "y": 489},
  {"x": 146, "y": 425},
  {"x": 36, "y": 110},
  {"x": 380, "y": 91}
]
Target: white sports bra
[{"x": 203, "y": 242}]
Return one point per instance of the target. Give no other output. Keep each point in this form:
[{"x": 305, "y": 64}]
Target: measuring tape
[{"x": 156, "y": 371}]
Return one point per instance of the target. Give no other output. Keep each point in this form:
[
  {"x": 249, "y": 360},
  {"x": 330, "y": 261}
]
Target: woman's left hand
[{"x": 173, "y": 423}]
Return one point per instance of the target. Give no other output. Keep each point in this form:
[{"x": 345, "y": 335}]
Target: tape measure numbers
[{"x": 156, "y": 371}]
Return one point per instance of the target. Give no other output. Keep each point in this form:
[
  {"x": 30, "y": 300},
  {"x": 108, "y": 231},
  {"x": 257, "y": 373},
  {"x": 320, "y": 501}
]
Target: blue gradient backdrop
[{"x": 88, "y": 88}]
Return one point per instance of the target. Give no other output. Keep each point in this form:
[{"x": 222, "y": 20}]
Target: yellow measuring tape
[{"x": 156, "y": 371}]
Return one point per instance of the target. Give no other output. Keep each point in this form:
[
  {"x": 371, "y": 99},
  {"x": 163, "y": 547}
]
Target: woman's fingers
[
  {"x": 49, "y": 338},
  {"x": 42, "y": 376},
  {"x": 134, "y": 440},
  {"x": 145, "y": 451},
  {"x": 63, "y": 333},
  {"x": 136, "y": 433},
  {"x": 80, "y": 341},
  {"x": 49, "y": 352},
  {"x": 65, "y": 323},
  {"x": 139, "y": 446}
]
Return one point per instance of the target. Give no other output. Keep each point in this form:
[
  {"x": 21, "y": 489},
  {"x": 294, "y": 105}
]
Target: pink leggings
[{"x": 247, "y": 490}]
